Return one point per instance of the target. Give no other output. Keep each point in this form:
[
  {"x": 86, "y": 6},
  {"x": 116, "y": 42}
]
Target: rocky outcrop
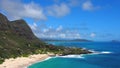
[
  {"x": 21, "y": 28},
  {"x": 17, "y": 27},
  {"x": 4, "y": 23}
]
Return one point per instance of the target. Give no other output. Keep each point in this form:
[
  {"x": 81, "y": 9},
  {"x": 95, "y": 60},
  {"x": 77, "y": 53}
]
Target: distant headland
[{"x": 66, "y": 40}]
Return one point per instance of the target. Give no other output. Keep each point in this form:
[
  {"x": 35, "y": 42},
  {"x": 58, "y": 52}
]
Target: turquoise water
[{"x": 108, "y": 58}]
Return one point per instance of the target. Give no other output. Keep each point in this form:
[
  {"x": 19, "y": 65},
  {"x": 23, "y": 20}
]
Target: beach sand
[{"x": 23, "y": 62}]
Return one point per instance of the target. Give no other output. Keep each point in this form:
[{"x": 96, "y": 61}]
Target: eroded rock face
[
  {"x": 4, "y": 23},
  {"x": 18, "y": 27},
  {"x": 21, "y": 28},
  {"x": 3, "y": 19},
  {"x": 16, "y": 38}
]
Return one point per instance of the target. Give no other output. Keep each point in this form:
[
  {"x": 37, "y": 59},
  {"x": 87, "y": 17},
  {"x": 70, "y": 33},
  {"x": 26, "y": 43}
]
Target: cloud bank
[
  {"x": 50, "y": 32},
  {"x": 88, "y": 5},
  {"x": 58, "y": 10},
  {"x": 16, "y": 9}
]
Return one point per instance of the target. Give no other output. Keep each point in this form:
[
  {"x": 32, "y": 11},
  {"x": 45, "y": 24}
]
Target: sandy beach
[{"x": 23, "y": 62}]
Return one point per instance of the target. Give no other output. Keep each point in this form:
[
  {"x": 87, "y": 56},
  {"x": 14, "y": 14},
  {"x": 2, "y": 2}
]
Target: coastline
[{"x": 24, "y": 62}]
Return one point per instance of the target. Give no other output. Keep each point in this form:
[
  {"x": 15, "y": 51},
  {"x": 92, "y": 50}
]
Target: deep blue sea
[{"x": 109, "y": 56}]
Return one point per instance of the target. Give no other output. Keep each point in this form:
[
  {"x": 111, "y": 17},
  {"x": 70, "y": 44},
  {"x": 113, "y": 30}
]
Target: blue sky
[{"x": 67, "y": 19}]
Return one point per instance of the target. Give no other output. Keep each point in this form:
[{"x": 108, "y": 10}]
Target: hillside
[{"x": 17, "y": 39}]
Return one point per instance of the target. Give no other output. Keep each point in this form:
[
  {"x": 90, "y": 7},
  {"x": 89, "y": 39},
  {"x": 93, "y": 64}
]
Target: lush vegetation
[{"x": 17, "y": 39}]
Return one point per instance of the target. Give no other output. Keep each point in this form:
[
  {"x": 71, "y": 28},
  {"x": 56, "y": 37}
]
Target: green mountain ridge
[{"x": 17, "y": 39}]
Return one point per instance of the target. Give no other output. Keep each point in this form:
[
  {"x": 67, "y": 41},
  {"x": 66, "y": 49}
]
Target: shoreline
[
  {"x": 37, "y": 62},
  {"x": 24, "y": 62}
]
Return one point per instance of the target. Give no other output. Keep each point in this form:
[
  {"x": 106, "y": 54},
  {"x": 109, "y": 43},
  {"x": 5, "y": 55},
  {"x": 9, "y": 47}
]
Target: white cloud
[
  {"x": 62, "y": 35},
  {"x": 92, "y": 35},
  {"x": 34, "y": 11},
  {"x": 88, "y": 5},
  {"x": 16, "y": 9},
  {"x": 33, "y": 26},
  {"x": 59, "y": 28},
  {"x": 74, "y": 3},
  {"x": 59, "y": 32},
  {"x": 58, "y": 10},
  {"x": 45, "y": 30}
]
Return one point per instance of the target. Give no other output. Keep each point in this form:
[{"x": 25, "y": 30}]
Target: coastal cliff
[{"x": 17, "y": 39}]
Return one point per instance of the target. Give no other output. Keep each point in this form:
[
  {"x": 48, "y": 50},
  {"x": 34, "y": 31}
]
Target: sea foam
[
  {"x": 82, "y": 55},
  {"x": 106, "y": 52},
  {"x": 102, "y": 52},
  {"x": 38, "y": 62},
  {"x": 71, "y": 56}
]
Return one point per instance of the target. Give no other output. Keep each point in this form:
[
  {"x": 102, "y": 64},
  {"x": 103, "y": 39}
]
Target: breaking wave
[
  {"x": 82, "y": 55},
  {"x": 71, "y": 56},
  {"x": 102, "y": 52}
]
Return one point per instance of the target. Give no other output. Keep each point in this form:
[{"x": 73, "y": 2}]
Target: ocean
[{"x": 109, "y": 56}]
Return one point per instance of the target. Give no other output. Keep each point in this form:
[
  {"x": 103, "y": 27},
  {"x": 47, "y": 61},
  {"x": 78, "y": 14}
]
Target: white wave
[
  {"x": 103, "y": 52},
  {"x": 83, "y": 55},
  {"x": 106, "y": 52},
  {"x": 71, "y": 56},
  {"x": 47, "y": 58},
  {"x": 92, "y": 51},
  {"x": 38, "y": 62},
  {"x": 98, "y": 52}
]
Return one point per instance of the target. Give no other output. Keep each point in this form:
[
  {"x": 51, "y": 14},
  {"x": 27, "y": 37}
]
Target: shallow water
[{"x": 109, "y": 56}]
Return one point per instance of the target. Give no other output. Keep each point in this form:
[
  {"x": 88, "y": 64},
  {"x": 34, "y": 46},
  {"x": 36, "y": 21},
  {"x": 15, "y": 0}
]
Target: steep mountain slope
[{"x": 17, "y": 39}]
